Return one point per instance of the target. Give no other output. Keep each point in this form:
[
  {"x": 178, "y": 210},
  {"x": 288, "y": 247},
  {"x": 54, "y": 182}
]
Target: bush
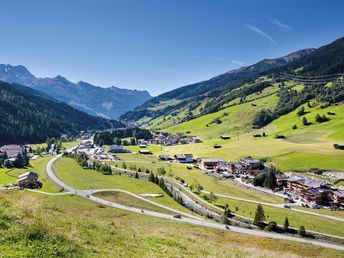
[
  {"x": 272, "y": 226},
  {"x": 294, "y": 127},
  {"x": 302, "y": 231}
]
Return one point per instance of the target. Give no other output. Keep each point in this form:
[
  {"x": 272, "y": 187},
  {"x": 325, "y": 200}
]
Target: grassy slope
[
  {"x": 240, "y": 116},
  {"x": 227, "y": 187},
  {"x": 71, "y": 173},
  {"x": 73, "y": 226},
  {"x": 296, "y": 219},
  {"x": 195, "y": 176},
  {"x": 128, "y": 200},
  {"x": 306, "y": 147}
]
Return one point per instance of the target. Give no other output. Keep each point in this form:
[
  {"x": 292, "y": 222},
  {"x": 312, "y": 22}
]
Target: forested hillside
[
  {"x": 192, "y": 95},
  {"x": 28, "y": 116}
]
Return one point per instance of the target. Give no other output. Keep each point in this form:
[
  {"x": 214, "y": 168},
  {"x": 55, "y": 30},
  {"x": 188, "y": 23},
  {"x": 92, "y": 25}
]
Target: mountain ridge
[
  {"x": 81, "y": 95},
  {"x": 222, "y": 82}
]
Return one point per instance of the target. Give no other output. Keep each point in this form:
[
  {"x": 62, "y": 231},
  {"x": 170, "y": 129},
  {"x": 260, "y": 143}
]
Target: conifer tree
[{"x": 259, "y": 216}]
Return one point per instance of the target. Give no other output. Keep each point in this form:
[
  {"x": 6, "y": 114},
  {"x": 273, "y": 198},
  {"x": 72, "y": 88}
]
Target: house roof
[
  {"x": 29, "y": 175},
  {"x": 180, "y": 156},
  {"x": 249, "y": 160},
  {"x": 188, "y": 156},
  {"x": 165, "y": 156},
  {"x": 212, "y": 159},
  {"x": 10, "y": 147},
  {"x": 223, "y": 163},
  {"x": 339, "y": 193},
  {"x": 310, "y": 183}
]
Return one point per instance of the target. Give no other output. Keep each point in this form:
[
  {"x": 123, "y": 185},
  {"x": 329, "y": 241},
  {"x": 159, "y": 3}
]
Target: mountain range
[
  {"x": 192, "y": 94},
  {"x": 29, "y": 116},
  {"x": 108, "y": 102}
]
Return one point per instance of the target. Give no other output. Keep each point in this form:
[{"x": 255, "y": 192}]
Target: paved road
[
  {"x": 186, "y": 220},
  {"x": 143, "y": 199}
]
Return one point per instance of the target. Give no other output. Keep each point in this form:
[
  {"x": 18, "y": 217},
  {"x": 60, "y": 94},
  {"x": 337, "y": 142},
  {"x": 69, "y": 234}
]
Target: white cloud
[
  {"x": 285, "y": 27},
  {"x": 218, "y": 58},
  {"x": 260, "y": 32},
  {"x": 237, "y": 62}
]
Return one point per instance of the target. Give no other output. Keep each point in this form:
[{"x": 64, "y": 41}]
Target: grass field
[
  {"x": 71, "y": 226},
  {"x": 306, "y": 147},
  {"x": 195, "y": 176},
  {"x": 37, "y": 166},
  {"x": 131, "y": 201},
  {"x": 278, "y": 215},
  {"x": 71, "y": 173},
  {"x": 238, "y": 119}
]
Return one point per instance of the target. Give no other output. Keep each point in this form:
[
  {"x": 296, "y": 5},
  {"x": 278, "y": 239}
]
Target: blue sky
[{"x": 158, "y": 45}]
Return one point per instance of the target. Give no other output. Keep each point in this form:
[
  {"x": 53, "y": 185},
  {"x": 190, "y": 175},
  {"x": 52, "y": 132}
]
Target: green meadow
[{"x": 71, "y": 226}]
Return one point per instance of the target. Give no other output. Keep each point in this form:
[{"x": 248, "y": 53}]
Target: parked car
[
  {"x": 177, "y": 216},
  {"x": 87, "y": 196},
  {"x": 286, "y": 206}
]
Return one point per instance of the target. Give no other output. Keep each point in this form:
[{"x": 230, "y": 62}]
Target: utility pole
[{"x": 237, "y": 133}]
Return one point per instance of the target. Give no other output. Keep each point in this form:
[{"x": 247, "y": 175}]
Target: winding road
[{"x": 197, "y": 221}]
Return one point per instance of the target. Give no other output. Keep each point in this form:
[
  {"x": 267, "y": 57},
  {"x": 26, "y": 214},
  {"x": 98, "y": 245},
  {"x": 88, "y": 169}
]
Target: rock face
[{"x": 108, "y": 102}]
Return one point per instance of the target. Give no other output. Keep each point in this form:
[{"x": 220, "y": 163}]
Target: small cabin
[
  {"x": 331, "y": 113},
  {"x": 224, "y": 137},
  {"x": 257, "y": 135},
  {"x": 145, "y": 152},
  {"x": 26, "y": 179},
  {"x": 338, "y": 146},
  {"x": 216, "y": 146},
  {"x": 280, "y": 136},
  {"x": 165, "y": 157}
]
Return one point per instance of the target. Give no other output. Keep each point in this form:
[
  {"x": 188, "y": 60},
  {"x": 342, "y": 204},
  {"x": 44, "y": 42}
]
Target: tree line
[{"x": 115, "y": 136}]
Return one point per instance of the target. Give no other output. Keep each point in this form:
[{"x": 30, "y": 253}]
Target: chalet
[
  {"x": 338, "y": 146},
  {"x": 222, "y": 166},
  {"x": 165, "y": 157},
  {"x": 164, "y": 134},
  {"x": 299, "y": 184},
  {"x": 331, "y": 113},
  {"x": 145, "y": 152},
  {"x": 216, "y": 146},
  {"x": 224, "y": 137},
  {"x": 141, "y": 141},
  {"x": 309, "y": 190},
  {"x": 115, "y": 149},
  {"x": 234, "y": 167},
  {"x": 193, "y": 139},
  {"x": 246, "y": 162},
  {"x": 315, "y": 195},
  {"x": 315, "y": 171},
  {"x": 27, "y": 178},
  {"x": 281, "y": 179},
  {"x": 337, "y": 197},
  {"x": 12, "y": 150},
  {"x": 209, "y": 163},
  {"x": 180, "y": 135},
  {"x": 280, "y": 136},
  {"x": 183, "y": 158},
  {"x": 250, "y": 173}
]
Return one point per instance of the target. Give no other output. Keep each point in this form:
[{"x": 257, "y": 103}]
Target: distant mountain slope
[
  {"x": 223, "y": 82},
  {"x": 27, "y": 115},
  {"x": 328, "y": 59},
  {"x": 105, "y": 102}
]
